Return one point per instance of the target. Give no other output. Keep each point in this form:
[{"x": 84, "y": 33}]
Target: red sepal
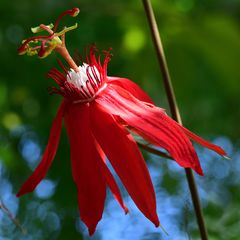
[
  {"x": 131, "y": 87},
  {"x": 48, "y": 155},
  {"x": 111, "y": 181},
  {"x": 204, "y": 143},
  {"x": 125, "y": 157},
  {"x": 86, "y": 166},
  {"x": 151, "y": 123}
]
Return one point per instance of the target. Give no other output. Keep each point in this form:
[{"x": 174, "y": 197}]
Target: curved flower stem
[{"x": 174, "y": 111}]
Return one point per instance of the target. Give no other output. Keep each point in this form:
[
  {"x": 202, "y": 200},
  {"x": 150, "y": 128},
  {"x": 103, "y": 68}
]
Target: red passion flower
[{"x": 98, "y": 112}]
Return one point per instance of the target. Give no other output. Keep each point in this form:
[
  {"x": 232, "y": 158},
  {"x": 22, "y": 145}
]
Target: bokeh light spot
[
  {"x": 11, "y": 120},
  {"x": 134, "y": 39},
  {"x": 30, "y": 151},
  {"x": 45, "y": 189},
  {"x": 53, "y": 221}
]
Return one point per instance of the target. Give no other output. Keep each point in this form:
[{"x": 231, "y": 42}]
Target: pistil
[{"x": 62, "y": 50}]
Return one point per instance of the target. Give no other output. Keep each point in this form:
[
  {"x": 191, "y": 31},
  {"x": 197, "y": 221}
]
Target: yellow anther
[
  {"x": 56, "y": 41},
  {"x": 39, "y": 29},
  {"x": 67, "y": 29}
]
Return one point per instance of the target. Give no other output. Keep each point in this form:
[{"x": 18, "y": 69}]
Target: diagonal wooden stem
[
  {"x": 174, "y": 111},
  {"x": 12, "y": 218}
]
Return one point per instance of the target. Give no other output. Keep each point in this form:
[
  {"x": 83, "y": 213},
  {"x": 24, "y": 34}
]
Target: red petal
[
  {"x": 204, "y": 143},
  {"x": 125, "y": 157},
  {"x": 86, "y": 166},
  {"x": 153, "y": 124},
  {"x": 131, "y": 87},
  {"x": 48, "y": 155},
  {"x": 110, "y": 180},
  {"x": 114, "y": 187}
]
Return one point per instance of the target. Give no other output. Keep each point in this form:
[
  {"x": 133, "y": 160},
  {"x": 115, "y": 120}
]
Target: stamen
[
  {"x": 42, "y": 28},
  {"x": 50, "y": 42},
  {"x": 22, "y": 49},
  {"x": 42, "y": 50},
  {"x": 66, "y": 29}
]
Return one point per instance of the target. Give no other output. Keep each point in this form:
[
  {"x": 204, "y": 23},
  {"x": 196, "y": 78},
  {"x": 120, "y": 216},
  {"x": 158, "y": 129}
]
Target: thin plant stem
[
  {"x": 174, "y": 111},
  {"x": 11, "y": 217},
  {"x": 154, "y": 151}
]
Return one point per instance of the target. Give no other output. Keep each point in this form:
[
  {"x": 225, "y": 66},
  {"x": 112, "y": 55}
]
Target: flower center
[{"x": 87, "y": 80}]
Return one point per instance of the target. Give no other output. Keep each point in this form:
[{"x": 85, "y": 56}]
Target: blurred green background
[{"x": 202, "y": 45}]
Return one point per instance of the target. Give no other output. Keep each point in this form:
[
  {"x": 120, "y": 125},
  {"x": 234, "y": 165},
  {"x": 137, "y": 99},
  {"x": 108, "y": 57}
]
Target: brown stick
[
  {"x": 174, "y": 110},
  {"x": 13, "y": 219}
]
